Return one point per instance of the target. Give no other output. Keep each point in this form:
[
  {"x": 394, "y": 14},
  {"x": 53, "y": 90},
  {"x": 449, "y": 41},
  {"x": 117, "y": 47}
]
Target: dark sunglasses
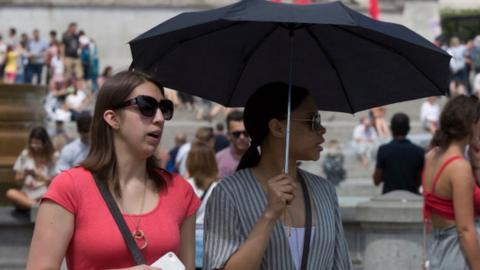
[
  {"x": 316, "y": 122},
  {"x": 148, "y": 106},
  {"x": 237, "y": 134}
]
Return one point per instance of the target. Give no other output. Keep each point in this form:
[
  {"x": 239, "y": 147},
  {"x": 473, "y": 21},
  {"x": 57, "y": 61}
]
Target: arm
[
  {"x": 377, "y": 176},
  {"x": 463, "y": 187},
  {"x": 19, "y": 177},
  {"x": 53, "y": 229},
  {"x": 250, "y": 254},
  {"x": 187, "y": 246}
]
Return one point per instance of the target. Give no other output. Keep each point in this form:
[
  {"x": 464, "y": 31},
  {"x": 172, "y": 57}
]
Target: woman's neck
[
  {"x": 456, "y": 148},
  {"x": 129, "y": 167},
  {"x": 272, "y": 163}
]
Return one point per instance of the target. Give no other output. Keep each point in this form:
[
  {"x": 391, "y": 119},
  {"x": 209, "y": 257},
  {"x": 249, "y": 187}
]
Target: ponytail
[{"x": 250, "y": 159}]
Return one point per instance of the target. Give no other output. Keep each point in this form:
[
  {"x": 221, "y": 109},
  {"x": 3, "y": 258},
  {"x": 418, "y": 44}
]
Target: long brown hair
[
  {"x": 101, "y": 158},
  {"x": 201, "y": 164},
  {"x": 47, "y": 152}
]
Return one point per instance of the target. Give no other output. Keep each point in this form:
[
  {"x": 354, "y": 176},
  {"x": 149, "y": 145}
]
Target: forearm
[
  {"x": 251, "y": 252},
  {"x": 19, "y": 179},
  {"x": 470, "y": 246}
]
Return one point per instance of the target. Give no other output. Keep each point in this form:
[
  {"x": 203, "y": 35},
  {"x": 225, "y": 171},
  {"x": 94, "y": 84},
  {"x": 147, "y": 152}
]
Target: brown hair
[
  {"x": 101, "y": 158},
  {"x": 48, "y": 151},
  {"x": 203, "y": 135},
  {"x": 456, "y": 120},
  {"x": 201, "y": 164}
]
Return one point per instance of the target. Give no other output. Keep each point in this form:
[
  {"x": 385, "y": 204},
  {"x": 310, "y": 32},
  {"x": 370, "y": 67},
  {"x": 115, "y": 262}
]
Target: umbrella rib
[
  {"x": 176, "y": 45},
  {"x": 394, "y": 51},
  {"x": 332, "y": 64},
  {"x": 248, "y": 57}
]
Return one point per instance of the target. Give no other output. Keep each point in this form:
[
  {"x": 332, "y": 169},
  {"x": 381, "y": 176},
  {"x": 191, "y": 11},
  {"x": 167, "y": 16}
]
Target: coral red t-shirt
[{"x": 97, "y": 242}]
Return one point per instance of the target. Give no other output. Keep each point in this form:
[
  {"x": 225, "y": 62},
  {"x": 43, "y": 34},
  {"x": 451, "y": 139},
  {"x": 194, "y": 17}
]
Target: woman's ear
[
  {"x": 111, "y": 118},
  {"x": 277, "y": 128}
]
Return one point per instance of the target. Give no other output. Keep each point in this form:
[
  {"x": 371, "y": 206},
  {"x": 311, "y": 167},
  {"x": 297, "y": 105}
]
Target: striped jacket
[{"x": 235, "y": 206}]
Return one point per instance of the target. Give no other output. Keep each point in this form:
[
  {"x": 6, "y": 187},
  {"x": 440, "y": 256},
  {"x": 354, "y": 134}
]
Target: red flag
[{"x": 374, "y": 9}]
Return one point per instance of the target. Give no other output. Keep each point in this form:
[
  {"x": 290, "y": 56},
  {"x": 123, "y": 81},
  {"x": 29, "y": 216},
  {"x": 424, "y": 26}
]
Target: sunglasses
[
  {"x": 316, "y": 122},
  {"x": 237, "y": 134},
  {"x": 148, "y": 106}
]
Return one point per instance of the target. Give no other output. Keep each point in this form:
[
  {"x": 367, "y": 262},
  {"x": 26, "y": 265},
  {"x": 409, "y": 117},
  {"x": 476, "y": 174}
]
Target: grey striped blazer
[{"x": 238, "y": 201}]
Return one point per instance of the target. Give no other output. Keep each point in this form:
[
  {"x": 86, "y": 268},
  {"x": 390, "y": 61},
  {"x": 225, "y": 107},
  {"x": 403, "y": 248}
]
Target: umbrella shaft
[{"x": 289, "y": 108}]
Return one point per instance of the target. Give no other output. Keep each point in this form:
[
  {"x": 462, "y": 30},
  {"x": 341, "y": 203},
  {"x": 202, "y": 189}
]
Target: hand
[{"x": 280, "y": 191}]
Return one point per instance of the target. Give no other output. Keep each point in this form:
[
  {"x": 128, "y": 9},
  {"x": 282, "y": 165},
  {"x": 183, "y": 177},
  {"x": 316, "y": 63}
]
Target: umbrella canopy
[{"x": 348, "y": 61}]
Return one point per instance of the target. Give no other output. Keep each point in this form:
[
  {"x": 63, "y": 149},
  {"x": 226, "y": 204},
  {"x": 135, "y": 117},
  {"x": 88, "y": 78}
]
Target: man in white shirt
[
  {"x": 75, "y": 152},
  {"x": 364, "y": 141}
]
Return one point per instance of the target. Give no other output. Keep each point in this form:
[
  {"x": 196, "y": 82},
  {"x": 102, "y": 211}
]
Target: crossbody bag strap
[
  {"x": 117, "y": 216},
  {"x": 308, "y": 223}
]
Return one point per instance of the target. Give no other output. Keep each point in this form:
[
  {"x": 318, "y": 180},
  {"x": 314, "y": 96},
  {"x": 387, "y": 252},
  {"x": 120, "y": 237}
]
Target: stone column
[{"x": 392, "y": 225}]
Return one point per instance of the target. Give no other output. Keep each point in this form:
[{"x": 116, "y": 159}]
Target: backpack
[{"x": 333, "y": 168}]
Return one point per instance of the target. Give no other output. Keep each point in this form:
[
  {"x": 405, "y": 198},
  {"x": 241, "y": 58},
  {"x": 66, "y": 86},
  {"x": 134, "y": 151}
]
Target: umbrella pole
[{"x": 289, "y": 109}]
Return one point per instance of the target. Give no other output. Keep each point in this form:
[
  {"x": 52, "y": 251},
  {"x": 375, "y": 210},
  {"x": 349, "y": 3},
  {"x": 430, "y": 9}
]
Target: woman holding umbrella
[
  {"x": 156, "y": 207},
  {"x": 260, "y": 218}
]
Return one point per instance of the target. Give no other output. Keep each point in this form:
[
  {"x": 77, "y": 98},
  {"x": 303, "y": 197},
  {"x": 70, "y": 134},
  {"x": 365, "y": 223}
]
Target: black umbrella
[{"x": 348, "y": 61}]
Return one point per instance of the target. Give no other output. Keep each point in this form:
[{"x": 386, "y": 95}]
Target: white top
[
  {"x": 62, "y": 115},
  {"x": 32, "y": 187},
  {"x": 363, "y": 134},
  {"x": 457, "y": 62},
  {"x": 57, "y": 64},
  {"x": 201, "y": 210},
  {"x": 181, "y": 158},
  {"x": 476, "y": 83},
  {"x": 74, "y": 101},
  {"x": 429, "y": 112},
  {"x": 295, "y": 241}
]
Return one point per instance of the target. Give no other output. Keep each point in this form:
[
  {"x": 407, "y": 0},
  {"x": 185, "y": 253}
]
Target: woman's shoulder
[
  {"x": 74, "y": 174},
  {"x": 24, "y": 153},
  {"x": 236, "y": 181}
]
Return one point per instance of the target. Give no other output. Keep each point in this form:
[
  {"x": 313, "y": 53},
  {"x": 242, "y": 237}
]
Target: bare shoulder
[{"x": 461, "y": 171}]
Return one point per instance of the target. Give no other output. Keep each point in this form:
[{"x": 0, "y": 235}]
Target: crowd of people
[
  {"x": 464, "y": 65},
  {"x": 217, "y": 201}
]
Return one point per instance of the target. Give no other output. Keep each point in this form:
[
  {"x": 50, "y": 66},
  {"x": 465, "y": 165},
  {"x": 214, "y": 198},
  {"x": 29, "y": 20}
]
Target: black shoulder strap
[
  {"x": 205, "y": 192},
  {"x": 122, "y": 226},
  {"x": 308, "y": 223}
]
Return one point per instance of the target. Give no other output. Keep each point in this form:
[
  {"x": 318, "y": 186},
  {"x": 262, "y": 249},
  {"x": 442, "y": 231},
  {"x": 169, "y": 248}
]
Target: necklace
[{"x": 138, "y": 234}]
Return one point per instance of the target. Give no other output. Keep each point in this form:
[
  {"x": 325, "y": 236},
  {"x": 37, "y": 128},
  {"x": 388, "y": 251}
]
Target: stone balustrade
[{"x": 384, "y": 232}]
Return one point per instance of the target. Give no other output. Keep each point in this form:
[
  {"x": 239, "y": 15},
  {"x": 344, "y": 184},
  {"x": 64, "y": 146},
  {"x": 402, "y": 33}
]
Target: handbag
[{"x": 117, "y": 216}]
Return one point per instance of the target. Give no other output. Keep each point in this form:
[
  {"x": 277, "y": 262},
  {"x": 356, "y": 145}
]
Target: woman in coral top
[
  {"x": 452, "y": 197},
  {"x": 159, "y": 208}
]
